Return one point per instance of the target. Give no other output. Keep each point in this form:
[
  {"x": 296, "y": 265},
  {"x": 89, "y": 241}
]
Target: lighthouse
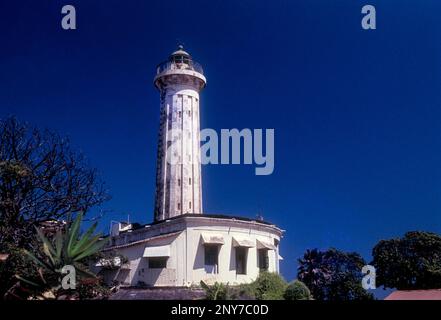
[
  {"x": 182, "y": 246},
  {"x": 178, "y": 175}
]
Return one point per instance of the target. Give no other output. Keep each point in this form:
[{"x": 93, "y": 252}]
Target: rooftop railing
[{"x": 174, "y": 65}]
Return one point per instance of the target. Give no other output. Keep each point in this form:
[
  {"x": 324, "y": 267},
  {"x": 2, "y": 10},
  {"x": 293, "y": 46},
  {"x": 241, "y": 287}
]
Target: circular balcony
[
  {"x": 184, "y": 64},
  {"x": 176, "y": 71}
]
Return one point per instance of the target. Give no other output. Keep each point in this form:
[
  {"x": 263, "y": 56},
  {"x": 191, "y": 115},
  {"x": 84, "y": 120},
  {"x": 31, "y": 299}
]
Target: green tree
[
  {"x": 333, "y": 275},
  {"x": 268, "y": 286},
  {"x": 410, "y": 262},
  {"x": 297, "y": 290}
]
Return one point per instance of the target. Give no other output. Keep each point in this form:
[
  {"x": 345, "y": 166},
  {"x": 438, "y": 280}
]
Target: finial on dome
[{"x": 180, "y": 51}]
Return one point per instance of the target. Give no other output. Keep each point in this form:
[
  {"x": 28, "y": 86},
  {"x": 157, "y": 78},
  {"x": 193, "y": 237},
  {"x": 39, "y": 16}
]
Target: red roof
[{"x": 432, "y": 294}]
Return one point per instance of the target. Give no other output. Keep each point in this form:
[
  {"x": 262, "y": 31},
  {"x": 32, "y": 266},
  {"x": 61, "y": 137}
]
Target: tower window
[
  {"x": 179, "y": 206},
  {"x": 179, "y": 182},
  {"x": 189, "y": 204},
  {"x": 179, "y": 114},
  {"x": 189, "y": 181}
]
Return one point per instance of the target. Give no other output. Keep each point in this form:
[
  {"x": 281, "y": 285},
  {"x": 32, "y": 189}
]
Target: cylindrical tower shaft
[{"x": 178, "y": 176}]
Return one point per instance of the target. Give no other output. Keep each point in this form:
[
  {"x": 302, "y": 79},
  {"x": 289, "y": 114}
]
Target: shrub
[
  {"x": 92, "y": 288},
  {"x": 268, "y": 286},
  {"x": 243, "y": 292},
  {"x": 217, "y": 291},
  {"x": 297, "y": 290}
]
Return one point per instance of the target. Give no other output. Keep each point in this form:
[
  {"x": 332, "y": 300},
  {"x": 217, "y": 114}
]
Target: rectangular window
[
  {"x": 241, "y": 260},
  {"x": 189, "y": 181},
  {"x": 189, "y": 204},
  {"x": 179, "y": 206},
  {"x": 263, "y": 259},
  {"x": 211, "y": 256},
  {"x": 179, "y": 182},
  {"x": 158, "y": 263}
]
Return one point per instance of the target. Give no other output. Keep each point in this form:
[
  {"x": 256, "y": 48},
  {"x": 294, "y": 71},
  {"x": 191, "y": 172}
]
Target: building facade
[
  {"x": 182, "y": 246},
  {"x": 184, "y": 250}
]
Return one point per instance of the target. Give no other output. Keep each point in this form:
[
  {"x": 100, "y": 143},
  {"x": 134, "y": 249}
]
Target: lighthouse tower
[{"x": 178, "y": 174}]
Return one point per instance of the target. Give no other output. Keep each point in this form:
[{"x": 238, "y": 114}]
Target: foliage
[
  {"x": 91, "y": 288},
  {"x": 333, "y": 275},
  {"x": 411, "y": 262},
  {"x": 10, "y": 287},
  {"x": 268, "y": 286},
  {"x": 217, "y": 291},
  {"x": 69, "y": 248},
  {"x": 244, "y": 292},
  {"x": 41, "y": 179},
  {"x": 297, "y": 290}
]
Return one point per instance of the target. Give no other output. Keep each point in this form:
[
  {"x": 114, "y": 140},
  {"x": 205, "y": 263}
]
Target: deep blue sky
[{"x": 356, "y": 113}]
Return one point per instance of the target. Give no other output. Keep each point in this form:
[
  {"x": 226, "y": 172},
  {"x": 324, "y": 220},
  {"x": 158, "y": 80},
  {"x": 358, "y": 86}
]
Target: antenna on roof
[
  {"x": 259, "y": 215},
  {"x": 180, "y": 44}
]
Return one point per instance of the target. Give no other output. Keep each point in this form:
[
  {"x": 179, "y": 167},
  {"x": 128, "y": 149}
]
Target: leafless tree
[{"x": 41, "y": 179}]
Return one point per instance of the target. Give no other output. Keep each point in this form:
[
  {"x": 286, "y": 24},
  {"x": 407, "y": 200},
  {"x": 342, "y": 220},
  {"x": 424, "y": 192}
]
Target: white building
[{"x": 183, "y": 246}]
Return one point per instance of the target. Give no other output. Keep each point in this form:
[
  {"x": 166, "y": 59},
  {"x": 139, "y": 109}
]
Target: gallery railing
[{"x": 172, "y": 65}]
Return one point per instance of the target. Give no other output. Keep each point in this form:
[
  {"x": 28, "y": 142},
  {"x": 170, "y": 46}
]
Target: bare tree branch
[{"x": 41, "y": 178}]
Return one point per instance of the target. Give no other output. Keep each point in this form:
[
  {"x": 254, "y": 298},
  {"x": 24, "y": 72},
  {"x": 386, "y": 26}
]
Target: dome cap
[{"x": 180, "y": 52}]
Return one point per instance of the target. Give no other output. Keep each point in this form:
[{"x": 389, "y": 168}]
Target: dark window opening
[
  {"x": 189, "y": 181},
  {"x": 158, "y": 263},
  {"x": 263, "y": 259},
  {"x": 189, "y": 204},
  {"x": 211, "y": 255},
  {"x": 241, "y": 260},
  {"x": 179, "y": 206}
]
